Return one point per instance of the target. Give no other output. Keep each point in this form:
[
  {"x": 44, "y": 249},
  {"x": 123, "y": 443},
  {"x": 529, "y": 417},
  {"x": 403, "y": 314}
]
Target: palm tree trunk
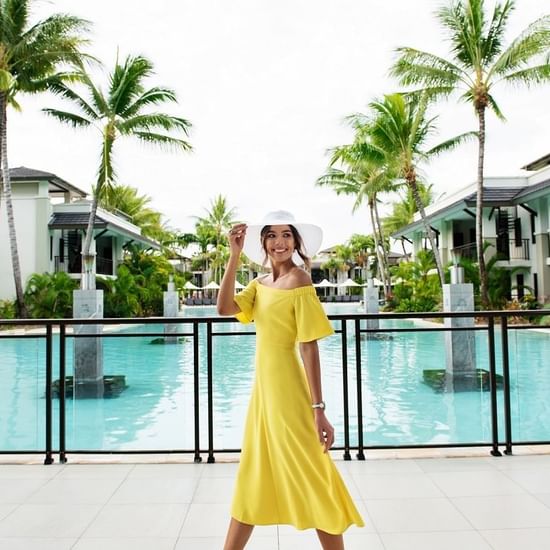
[
  {"x": 21, "y": 307},
  {"x": 87, "y": 279},
  {"x": 483, "y": 279},
  {"x": 377, "y": 246},
  {"x": 384, "y": 255},
  {"x": 411, "y": 180}
]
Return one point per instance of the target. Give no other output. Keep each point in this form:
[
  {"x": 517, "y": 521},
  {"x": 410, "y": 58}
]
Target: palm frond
[
  {"x": 153, "y": 96},
  {"x": 72, "y": 119},
  {"x": 495, "y": 108},
  {"x": 163, "y": 140},
  {"x": 415, "y": 67},
  {"x": 59, "y": 88},
  {"x": 151, "y": 121},
  {"x": 452, "y": 143},
  {"x": 531, "y": 43},
  {"x": 492, "y": 43},
  {"x": 531, "y": 76},
  {"x": 126, "y": 82}
]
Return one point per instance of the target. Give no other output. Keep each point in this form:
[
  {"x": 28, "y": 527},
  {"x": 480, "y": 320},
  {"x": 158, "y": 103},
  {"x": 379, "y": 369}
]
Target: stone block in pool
[
  {"x": 442, "y": 381},
  {"x": 113, "y": 386}
]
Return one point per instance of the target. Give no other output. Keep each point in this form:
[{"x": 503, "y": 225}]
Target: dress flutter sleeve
[
  {"x": 245, "y": 300},
  {"x": 311, "y": 320}
]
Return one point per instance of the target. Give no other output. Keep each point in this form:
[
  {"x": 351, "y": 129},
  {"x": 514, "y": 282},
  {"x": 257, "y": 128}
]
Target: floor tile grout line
[
  {"x": 198, "y": 480},
  {"x": 102, "y": 506}
]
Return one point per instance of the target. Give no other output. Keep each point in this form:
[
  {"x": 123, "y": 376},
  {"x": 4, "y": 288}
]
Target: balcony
[
  {"x": 504, "y": 247},
  {"x": 73, "y": 265}
]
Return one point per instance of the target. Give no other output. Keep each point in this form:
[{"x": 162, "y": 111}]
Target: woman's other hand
[
  {"x": 236, "y": 238},
  {"x": 325, "y": 429}
]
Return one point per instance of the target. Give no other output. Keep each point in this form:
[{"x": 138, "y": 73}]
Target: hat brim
[{"x": 312, "y": 237}]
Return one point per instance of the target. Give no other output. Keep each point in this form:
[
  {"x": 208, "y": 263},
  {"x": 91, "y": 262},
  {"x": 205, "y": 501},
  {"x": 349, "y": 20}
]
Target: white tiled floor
[{"x": 478, "y": 503}]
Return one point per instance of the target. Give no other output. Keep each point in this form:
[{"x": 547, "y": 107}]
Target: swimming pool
[{"x": 156, "y": 411}]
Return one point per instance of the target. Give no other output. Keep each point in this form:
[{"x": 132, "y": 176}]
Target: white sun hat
[{"x": 312, "y": 236}]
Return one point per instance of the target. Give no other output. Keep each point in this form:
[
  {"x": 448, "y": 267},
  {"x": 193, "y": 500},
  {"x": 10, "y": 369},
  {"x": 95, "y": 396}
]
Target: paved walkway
[{"x": 477, "y": 503}]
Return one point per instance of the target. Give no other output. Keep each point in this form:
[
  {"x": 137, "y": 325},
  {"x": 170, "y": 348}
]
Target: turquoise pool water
[{"x": 156, "y": 411}]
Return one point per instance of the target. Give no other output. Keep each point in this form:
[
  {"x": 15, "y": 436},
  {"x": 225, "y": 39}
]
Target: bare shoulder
[{"x": 299, "y": 277}]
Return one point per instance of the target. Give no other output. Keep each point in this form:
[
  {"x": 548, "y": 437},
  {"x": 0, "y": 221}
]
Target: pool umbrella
[
  {"x": 190, "y": 286},
  {"x": 212, "y": 285},
  {"x": 238, "y": 285},
  {"x": 349, "y": 283},
  {"x": 324, "y": 284}
]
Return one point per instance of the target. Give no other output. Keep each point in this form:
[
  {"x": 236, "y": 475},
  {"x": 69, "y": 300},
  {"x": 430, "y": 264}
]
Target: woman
[{"x": 286, "y": 475}]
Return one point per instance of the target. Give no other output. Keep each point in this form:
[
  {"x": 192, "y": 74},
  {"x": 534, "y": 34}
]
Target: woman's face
[{"x": 279, "y": 243}]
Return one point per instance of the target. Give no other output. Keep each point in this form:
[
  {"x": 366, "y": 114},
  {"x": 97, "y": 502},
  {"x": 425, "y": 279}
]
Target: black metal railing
[
  {"x": 60, "y": 326},
  {"x": 505, "y": 247}
]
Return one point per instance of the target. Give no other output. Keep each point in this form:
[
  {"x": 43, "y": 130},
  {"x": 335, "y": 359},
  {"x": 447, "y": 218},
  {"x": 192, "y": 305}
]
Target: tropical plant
[
  {"x": 417, "y": 289},
  {"x": 399, "y": 127},
  {"x": 365, "y": 177},
  {"x": 362, "y": 247},
  {"x": 122, "y": 295},
  {"x": 50, "y": 295},
  {"x": 478, "y": 62},
  {"x": 8, "y": 309},
  {"x": 123, "y": 111},
  {"x": 404, "y": 209},
  {"x": 218, "y": 220},
  {"x": 31, "y": 57},
  {"x": 125, "y": 199}
]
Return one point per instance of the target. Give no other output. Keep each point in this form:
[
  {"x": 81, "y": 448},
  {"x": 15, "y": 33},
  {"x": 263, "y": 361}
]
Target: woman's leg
[
  {"x": 237, "y": 535},
  {"x": 330, "y": 542}
]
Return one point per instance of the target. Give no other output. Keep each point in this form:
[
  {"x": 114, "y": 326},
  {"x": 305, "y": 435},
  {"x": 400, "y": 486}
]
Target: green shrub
[
  {"x": 8, "y": 309},
  {"x": 50, "y": 295}
]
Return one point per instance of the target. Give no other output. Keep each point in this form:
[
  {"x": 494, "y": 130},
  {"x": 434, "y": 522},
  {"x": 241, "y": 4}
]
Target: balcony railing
[
  {"x": 355, "y": 409},
  {"x": 104, "y": 266},
  {"x": 504, "y": 247}
]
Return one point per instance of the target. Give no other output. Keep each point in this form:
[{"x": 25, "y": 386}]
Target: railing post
[
  {"x": 347, "y": 455},
  {"x": 197, "y": 457},
  {"x": 62, "y": 437},
  {"x": 209, "y": 362},
  {"x": 506, "y": 384},
  {"x": 493, "y": 388},
  {"x": 360, "y": 454},
  {"x": 49, "y": 347}
]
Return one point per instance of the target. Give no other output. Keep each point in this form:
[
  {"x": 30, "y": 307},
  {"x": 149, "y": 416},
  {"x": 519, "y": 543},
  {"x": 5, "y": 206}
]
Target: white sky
[{"x": 266, "y": 85}]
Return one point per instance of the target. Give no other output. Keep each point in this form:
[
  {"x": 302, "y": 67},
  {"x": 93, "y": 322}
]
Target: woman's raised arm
[{"x": 226, "y": 304}]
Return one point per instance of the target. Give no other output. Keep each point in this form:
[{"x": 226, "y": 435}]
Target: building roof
[
  {"x": 537, "y": 164},
  {"x": 79, "y": 220},
  {"x": 527, "y": 191},
  {"x": 492, "y": 197},
  {"x": 495, "y": 196},
  {"x": 57, "y": 184}
]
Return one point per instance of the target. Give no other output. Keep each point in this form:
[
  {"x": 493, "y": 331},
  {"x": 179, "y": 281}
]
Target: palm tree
[
  {"x": 478, "y": 62},
  {"x": 123, "y": 111},
  {"x": 400, "y": 128},
  {"x": 403, "y": 210},
  {"x": 365, "y": 177},
  {"x": 361, "y": 246},
  {"x": 219, "y": 219},
  {"x": 30, "y": 60}
]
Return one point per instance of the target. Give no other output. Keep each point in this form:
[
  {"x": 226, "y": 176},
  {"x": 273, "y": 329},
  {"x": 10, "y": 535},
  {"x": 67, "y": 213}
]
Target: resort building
[
  {"x": 51, "y": 216},
  {"x": 516, "y": 227}
]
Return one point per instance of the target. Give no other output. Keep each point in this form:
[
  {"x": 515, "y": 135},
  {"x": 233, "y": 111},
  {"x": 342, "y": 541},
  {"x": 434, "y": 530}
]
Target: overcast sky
[{"x": 266, "y": 85}]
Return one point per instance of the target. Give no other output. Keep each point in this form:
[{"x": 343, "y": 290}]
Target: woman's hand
[
  {"x": 236, "y": 238},
  {"x": 324, "y": 429}
]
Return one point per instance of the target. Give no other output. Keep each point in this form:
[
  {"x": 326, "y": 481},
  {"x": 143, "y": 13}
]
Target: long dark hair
[{"x": 298, "y": 241}]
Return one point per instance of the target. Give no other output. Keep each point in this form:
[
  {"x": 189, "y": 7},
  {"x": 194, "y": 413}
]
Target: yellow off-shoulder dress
[{"x": 284, "y": 476}]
